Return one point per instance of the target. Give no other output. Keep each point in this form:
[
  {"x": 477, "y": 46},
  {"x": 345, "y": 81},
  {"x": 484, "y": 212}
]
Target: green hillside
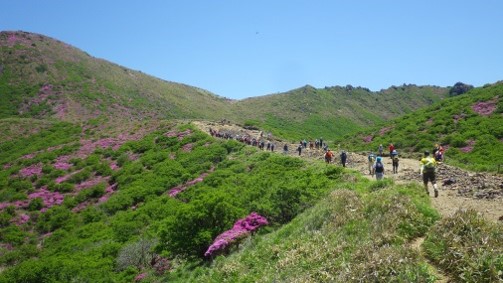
[
  {"x": 333, "y": 111},
  {"x": 468, "y": 126},
  {"x": 146, "y": 205},
  {"x": 42, "y": 77}
]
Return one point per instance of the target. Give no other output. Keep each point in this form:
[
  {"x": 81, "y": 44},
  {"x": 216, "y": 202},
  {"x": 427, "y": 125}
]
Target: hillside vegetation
[
  {"x": 468, "y": 126},
  {"x": 100, "y": 183},
  {"x": 147, "y": 205},
  {"x": 41, "y": 77},
  {"x": 330, "y": 112}
]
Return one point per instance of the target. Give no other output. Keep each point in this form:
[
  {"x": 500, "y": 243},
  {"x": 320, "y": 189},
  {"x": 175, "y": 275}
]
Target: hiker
[
  {"x": 371, "y": 160},
  {"x": 268, "y": 145},
  {"x": 328, "y": 156},
  {"x": 344, "y": 157},
  {"x": 299, "y": 148},
  {"x": 379, "y": 168},
  {"x": 285, "y": 149},
  {"x": 427, "y": 170},
  {"x": 380, "y": 149},
  {"x": 391, "y": 148},
  {"x": 304, "y": 143},
  {"x": 438, "y": 152},
  {"x": 395, "y": 163},
  {"x": 272, "y": 147},
  {"x": 394, "y": 153}
]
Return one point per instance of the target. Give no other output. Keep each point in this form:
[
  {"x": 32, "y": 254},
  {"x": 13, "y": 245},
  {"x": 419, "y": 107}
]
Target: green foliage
[
  {"x": 54, "y": 218},
  {"x": 473, "y": 141},
  {"x": 342, "y": 237},
  {"x": 468, "y": 247}
]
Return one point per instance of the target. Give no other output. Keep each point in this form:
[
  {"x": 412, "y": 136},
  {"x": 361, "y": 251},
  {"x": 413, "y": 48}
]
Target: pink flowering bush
[
  {"x": 23, "y": 218},
  {"x": 385, "y": 130},
  {"x": 469, "y": 146},
  {"x": 91, "y": 182},
  {"x": 241, "y": 229},
  {"x": 35, "y": 169},
  {"x": 180, "y": 135},
  {"x": 49, "y": 198},
  {"x": 108, "y": 192},
  {"x": 63, "y": 163},
  {"x": 140, "y": 277},
  {"x": 485, "y": 108},
  {"x": 188, "y": 147},
  {"x": 368, "y": 139},
  {"x": 178, "y": 189}
]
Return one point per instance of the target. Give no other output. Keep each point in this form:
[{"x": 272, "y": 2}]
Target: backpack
[
  {"x": 371, "y": 158},
  {"x": 379, "y": 167},
  {"x": 430, "y": 164}
]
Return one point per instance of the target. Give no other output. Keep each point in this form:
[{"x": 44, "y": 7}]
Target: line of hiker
[
  {"x": 427, "y": 168},
  {"x": 376, "y": 166},
  {"x": 261, "y": 143}
]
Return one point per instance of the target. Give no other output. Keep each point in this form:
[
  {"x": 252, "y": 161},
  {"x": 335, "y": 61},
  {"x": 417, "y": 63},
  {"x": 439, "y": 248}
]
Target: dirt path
[{"x": 480, "y": 191}]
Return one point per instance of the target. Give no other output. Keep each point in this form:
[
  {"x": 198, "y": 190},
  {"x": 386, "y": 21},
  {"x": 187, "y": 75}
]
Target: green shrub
[{"x": 468, "y": 247}]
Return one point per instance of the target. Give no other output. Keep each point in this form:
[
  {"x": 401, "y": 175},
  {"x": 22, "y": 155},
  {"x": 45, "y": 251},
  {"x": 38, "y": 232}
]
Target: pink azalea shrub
[
  {"x": 23, "y": 218},
  {"x": 368, "y": 139},
  {"x": 90, "y": 183},
  {"x": 108, "y": 192},
  {"x": 35, "y": 169},
  {"x": 180, "y": 135},
  {"x": 4, "y": 205},
  {"x": 63, "y": 162},
  {"x": 188, "y": 147},
  {"x": 385, "y": 130},
  {"x": 178, "y": 189},
  {"x": 66, "y": 177},
  {"x": 28, "y": 156},
  {"x": 49, "y": 198},
  {"x": 468, "y": 147},
  {"x": 241, "y": 229},
  {"x": 114, "y": 166},
  {"x": 140, "y": 277},
  {"x": 485, "y": 108}
]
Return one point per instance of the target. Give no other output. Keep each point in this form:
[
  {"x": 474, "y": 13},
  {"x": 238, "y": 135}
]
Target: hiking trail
[{"x": 458, "y": 188}]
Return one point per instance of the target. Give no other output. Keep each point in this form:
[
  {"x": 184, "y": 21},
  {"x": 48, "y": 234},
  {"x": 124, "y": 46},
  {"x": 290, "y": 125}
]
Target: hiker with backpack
[
  {"x": 438, "y": 152},
  {"x": 379, "y": 168},
  {"x": 344, "y": 157},
  {"x": 391, "y": 149},
  {"x": 285, "y": 149},
  {"x": 395, "y": 163},
  {"x": 328, "y": 156},
  {"x": 427, "y": 170},
  {"x": 299, "y": 148},
  {"x": 380, "y": 149},
  {"x": 371, "y": 160}
]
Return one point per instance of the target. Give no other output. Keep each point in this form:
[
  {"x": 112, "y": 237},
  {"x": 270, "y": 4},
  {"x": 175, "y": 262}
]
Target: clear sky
[{"x": 240, "y": 49}]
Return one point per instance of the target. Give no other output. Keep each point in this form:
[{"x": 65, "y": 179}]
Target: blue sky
[{"x": 240, "y": 49}]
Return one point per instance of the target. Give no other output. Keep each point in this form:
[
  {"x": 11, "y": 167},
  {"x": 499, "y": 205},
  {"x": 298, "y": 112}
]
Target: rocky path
[{"x": 459, "y": 189}]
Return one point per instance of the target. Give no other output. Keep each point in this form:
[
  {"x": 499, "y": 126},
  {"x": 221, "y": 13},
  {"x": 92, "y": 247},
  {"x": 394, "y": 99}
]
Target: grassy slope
[
  {"x": 331, "y": 112},
  {"x": 79, "y": 87},
  {"x": 472, "y": 140},
  {"x": 324, "y": 220},
  {"x": 88, "y": 87}
]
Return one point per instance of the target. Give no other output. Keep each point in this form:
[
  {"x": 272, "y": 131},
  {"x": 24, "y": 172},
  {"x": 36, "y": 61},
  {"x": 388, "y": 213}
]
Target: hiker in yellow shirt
[{"x": 428, "y": 166}]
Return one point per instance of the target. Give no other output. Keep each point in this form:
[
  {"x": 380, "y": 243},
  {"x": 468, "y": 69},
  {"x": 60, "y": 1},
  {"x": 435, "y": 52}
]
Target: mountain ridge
[{"x": 43, "y": 77}]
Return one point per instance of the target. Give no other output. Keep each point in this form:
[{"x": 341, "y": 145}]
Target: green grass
[
  {"x": 452, "y": 123},
  {"x": 467, "y": 247},
  {"x": 346, "y": 237}
]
